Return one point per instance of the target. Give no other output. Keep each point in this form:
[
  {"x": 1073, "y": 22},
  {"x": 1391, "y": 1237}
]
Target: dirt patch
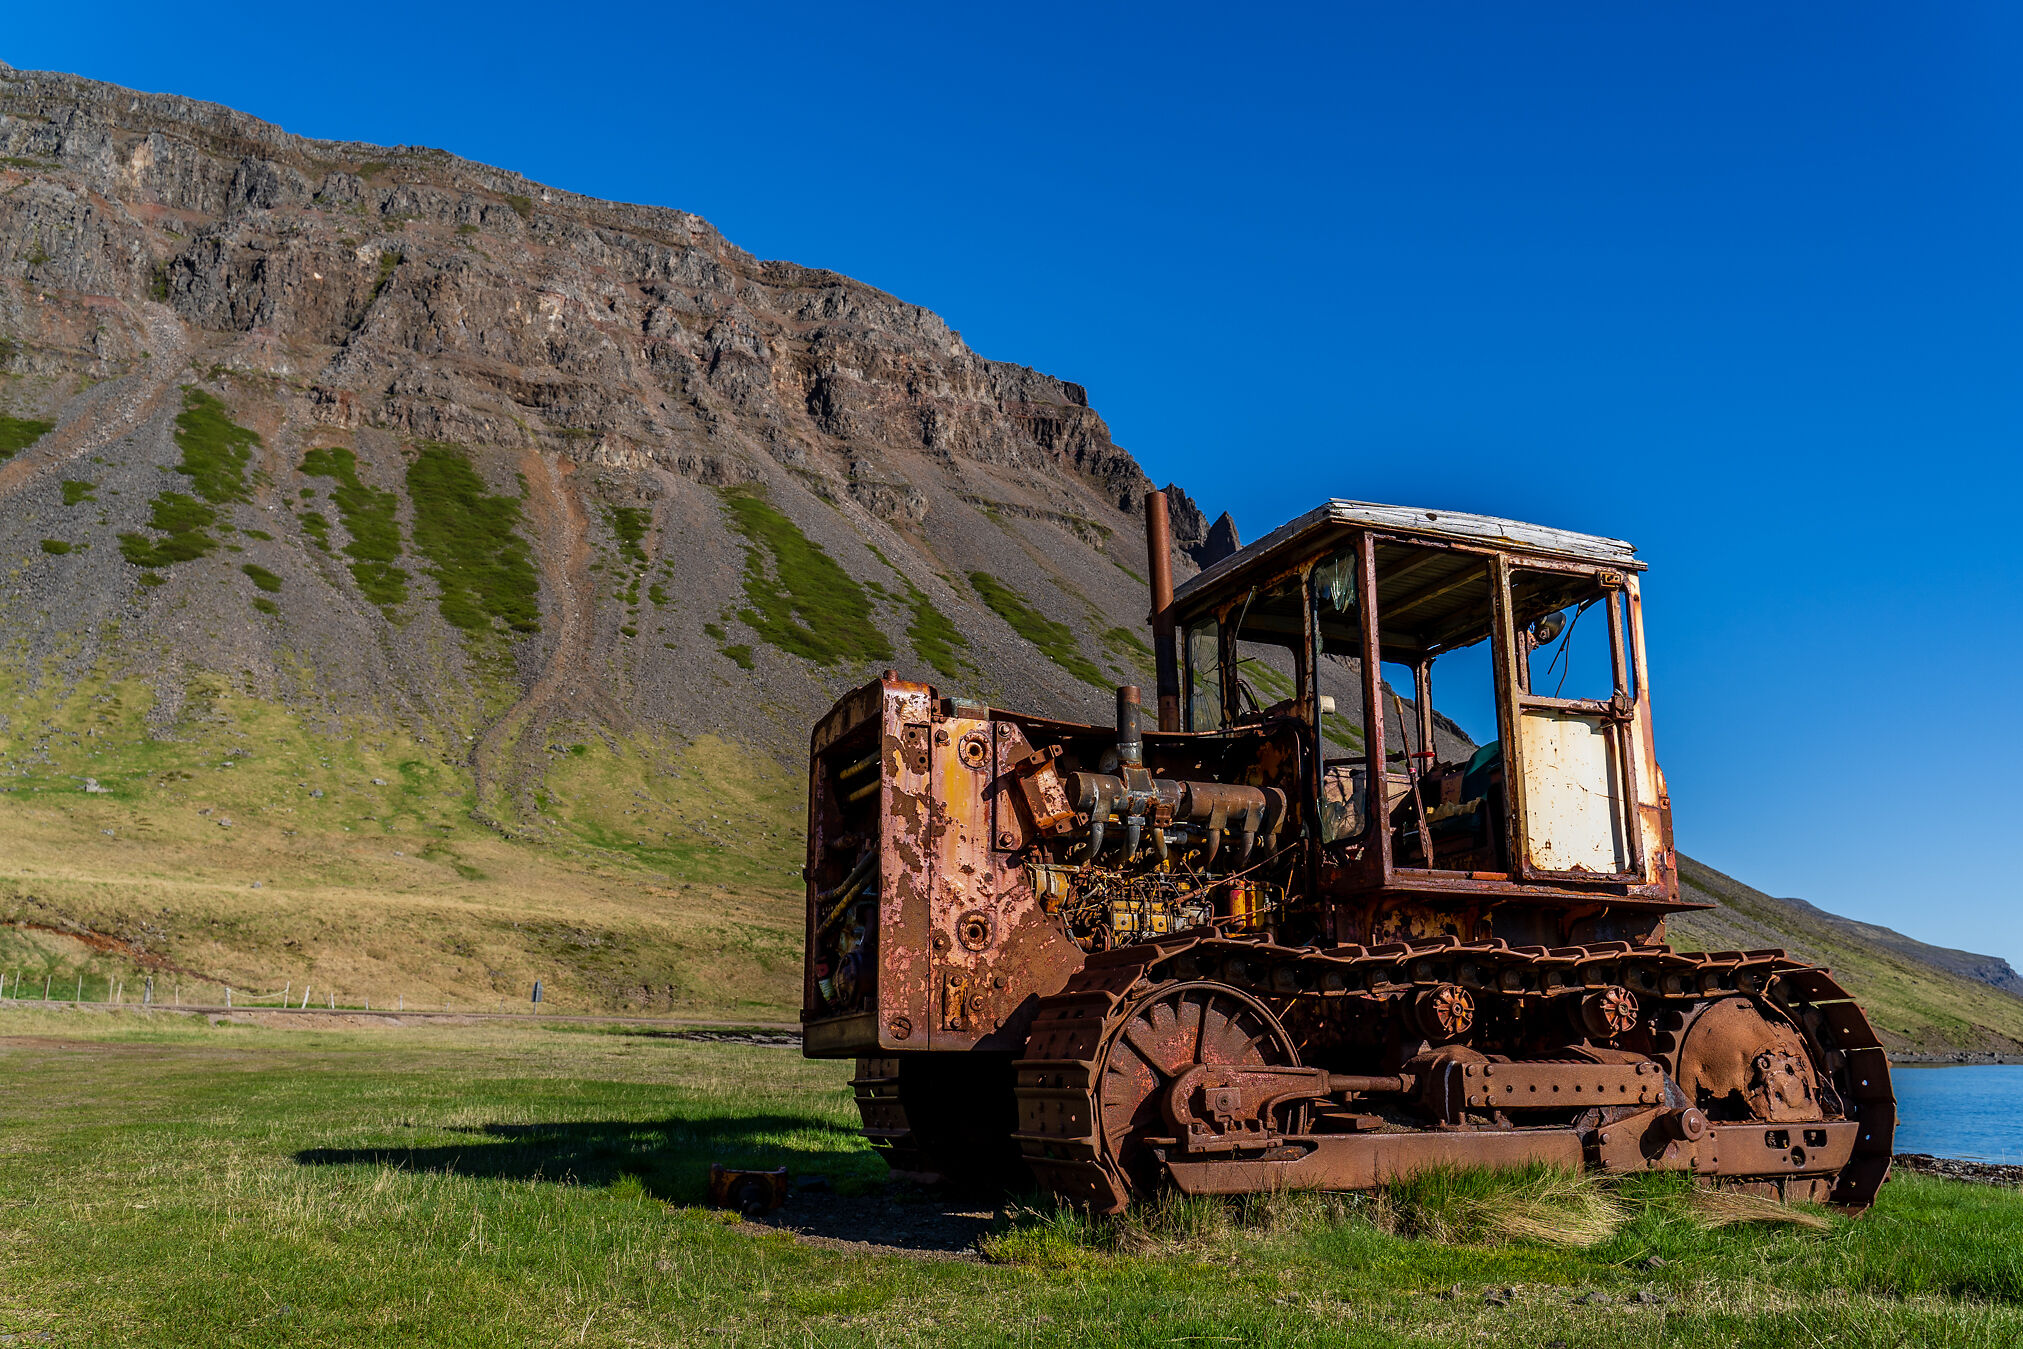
[
  {"x": 106, "y": 944},
  {"x": 58, "y": 1042},
  {"x": 920, "y": 1227}
]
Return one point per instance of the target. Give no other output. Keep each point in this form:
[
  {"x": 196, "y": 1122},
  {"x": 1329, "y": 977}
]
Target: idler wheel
[
  {"x": 1609, "y": 1012},
  {"x": 1742, "y": 1065},
  {"x": 1173, "y": 1031},
  {"x": 1444, "y": 1012}
]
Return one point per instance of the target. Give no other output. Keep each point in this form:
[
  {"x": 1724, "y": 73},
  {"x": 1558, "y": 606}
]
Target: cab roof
[{"x": 1310, "y": 532}]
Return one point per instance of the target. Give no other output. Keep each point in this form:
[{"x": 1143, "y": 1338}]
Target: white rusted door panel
[{"x": 1574, "y": 819}]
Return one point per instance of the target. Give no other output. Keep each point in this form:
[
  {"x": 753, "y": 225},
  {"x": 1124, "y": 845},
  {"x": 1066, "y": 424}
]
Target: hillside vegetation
[
  {"x": 254, "y": 848},
  {"x": 1915, "y": 995}
]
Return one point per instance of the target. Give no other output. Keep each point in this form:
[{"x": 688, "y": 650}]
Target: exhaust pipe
[
  {"x": 1159, "y": 562},
  {"x": 1130, "y": 736}
]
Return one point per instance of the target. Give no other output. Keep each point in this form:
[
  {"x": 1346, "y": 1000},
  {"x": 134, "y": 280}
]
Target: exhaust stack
[{"x": 1159, "y": 561}]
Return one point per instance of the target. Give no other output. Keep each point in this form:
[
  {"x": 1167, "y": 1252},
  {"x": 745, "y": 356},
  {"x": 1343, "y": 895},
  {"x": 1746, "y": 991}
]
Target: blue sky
[{"x": 1739, "y": 282}]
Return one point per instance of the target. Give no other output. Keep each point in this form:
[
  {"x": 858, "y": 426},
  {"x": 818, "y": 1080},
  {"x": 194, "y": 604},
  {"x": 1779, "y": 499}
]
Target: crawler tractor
[{"x": 1309, "y": 933}]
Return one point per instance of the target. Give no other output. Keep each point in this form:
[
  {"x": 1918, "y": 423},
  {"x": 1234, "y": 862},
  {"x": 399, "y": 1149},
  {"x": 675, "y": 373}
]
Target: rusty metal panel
[
  {"x": 1359, "y": 1161},
  {"x": 1573, "y": 794},
  {"x": 907, "y": 867},
  {"x": 993, "y": 944}
]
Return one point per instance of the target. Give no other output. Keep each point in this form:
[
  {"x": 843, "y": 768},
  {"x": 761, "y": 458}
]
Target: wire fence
[{"x": 148, "y": 991}]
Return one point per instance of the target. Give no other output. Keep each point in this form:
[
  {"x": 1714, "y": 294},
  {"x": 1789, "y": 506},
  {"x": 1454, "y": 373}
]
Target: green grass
[
  {"x": 368, "y": 516},
  {"x": 796, "y": 596},
  {"x": 262, "y": 578},
  {"x": 76, "y": 493},
  {"x": 389, "y": 263},
  {"x": 184, "y": 521},
  {"x": 1128, "y": 649},
  {"x": 317, "y": 526},
  {"x": 266, "y": 606},
  {"x": 1055, "y": 640},
  {"x": 216, "y": 451},
  {"x": 628, "y": 526},
  {"x": 522, "y": 206},
  {"x": 174, "y": 1182},
  {"x": 659, "y": 877},
  {"x": 471, "y": 539},
  {"x": 18, "y": 433},
  {"x": 56, "y": 547},
  {"x": 935, "y": 640}
]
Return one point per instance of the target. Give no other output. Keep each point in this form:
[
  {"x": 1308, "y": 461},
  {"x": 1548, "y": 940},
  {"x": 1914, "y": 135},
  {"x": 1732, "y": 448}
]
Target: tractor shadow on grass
[{"x": 839, "y": 1197}]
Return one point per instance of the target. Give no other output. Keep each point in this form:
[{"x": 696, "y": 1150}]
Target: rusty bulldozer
[{"x": 1306, "y": 933}]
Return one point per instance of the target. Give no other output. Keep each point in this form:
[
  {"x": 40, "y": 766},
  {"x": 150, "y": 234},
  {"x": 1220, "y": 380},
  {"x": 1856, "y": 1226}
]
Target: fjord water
[{"x": 1974, "y": 1111}]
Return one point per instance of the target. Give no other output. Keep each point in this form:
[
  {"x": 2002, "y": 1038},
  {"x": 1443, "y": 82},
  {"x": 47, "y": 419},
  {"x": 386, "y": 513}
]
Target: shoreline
[{"x": 1959, "y": 1058}]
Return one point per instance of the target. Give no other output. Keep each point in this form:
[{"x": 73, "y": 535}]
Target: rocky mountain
[
  {"x": 435, "y": 552},
  {"x": 504, "y": 455}
]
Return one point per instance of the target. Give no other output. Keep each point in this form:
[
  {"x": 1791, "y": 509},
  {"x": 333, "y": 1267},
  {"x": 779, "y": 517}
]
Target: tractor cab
[{"x": 1471, "y": 697}]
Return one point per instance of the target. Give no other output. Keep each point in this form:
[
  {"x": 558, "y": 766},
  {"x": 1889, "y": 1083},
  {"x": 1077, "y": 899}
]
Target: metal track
[
  {"x": 1060, "y": 1128},
  {"x": 886, "y": 1127}
]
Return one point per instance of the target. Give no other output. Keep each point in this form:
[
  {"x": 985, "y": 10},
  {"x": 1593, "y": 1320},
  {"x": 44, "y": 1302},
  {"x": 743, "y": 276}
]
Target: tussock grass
[
  {"x": 216, "y": 451},
  {"x": 1536, "y": 1203},
  {"x": 935, "y": 639},
  {"x": 1448, "y": 1206},
  {"x": 1726, "y": 1208}
]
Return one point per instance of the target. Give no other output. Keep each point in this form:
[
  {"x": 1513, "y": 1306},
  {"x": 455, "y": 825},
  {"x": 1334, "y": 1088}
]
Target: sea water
[{"x": 1975, "y": 1111}]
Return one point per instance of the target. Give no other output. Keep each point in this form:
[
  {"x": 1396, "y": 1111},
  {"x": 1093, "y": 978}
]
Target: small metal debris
[{"x": 750, "y": 1192}]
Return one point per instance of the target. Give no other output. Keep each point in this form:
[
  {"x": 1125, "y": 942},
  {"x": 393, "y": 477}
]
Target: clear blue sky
[{"x": 1739, "y": 282}]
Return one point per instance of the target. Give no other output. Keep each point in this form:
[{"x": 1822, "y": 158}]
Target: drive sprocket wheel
[{"x": 1163, "y": 1035}]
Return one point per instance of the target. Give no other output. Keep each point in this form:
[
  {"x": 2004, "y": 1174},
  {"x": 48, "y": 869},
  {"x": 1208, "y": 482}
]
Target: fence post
[
  {"x": 45, "y": 988},
  {"x": 228, "y": 995}
]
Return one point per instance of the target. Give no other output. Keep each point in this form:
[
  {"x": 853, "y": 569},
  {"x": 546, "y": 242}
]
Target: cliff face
[{"x": 567, "y": 398}]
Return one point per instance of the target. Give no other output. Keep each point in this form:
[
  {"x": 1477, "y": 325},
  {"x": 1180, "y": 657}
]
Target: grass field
[
  {"x": 168, "y": 1181},
  {"x": 261, "y": 847}
]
